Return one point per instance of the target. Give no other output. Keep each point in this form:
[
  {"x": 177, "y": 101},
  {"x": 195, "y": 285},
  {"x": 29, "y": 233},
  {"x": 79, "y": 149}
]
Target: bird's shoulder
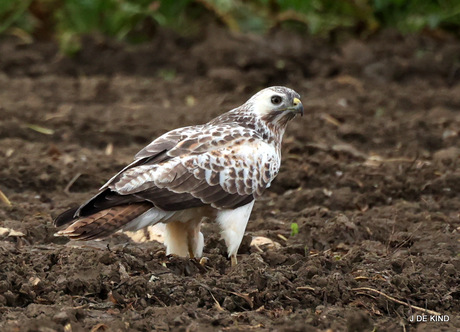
[{"x": 201, "y": 139}]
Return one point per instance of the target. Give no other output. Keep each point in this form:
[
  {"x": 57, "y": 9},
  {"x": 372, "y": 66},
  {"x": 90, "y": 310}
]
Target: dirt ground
[{"x": 371, "y": 176}]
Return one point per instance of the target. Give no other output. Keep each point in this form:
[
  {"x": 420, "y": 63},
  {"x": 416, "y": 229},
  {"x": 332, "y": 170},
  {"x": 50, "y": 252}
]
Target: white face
[
  {"x": 274, "y": 99},
  {"x": 267, "y": 101}
]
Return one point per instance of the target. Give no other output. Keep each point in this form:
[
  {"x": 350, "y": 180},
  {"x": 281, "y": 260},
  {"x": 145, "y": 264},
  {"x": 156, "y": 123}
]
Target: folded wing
[{"x": 185, "y": 168}]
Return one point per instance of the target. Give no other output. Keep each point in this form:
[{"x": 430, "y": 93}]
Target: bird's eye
[{"x": 276, "y": 100}]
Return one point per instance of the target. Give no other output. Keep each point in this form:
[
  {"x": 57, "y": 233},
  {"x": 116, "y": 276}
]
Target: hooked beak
[{"x": 297, "y": 106}]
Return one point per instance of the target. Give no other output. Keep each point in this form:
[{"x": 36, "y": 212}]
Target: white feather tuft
[
  {"x": 150, "y": 217},
  {"x": 233, "y": 224}
]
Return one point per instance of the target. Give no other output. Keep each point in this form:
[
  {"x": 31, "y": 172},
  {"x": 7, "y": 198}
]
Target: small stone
[
  {"x": 447, "y": 156},
  {"x": 358, "y": 321},
  {"x": 448, "y": 269},
  {"x": 4, "y": 286},
  {"x": 61, "y": 318},
  {"x": 10, "y": 298},
  {"x": 107, "y": 258}
]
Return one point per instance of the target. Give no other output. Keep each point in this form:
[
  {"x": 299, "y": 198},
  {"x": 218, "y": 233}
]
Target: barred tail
[{"x": 103, "y": 223}]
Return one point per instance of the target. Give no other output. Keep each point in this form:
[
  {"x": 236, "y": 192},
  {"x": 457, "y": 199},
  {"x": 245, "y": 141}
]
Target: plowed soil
[{"x": 370, "y": 175}]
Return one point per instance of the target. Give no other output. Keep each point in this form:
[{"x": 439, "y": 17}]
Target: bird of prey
[{"x": 215, "y": 170}]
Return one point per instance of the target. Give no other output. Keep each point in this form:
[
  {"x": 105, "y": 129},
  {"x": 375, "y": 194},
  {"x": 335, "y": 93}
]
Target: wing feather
[{"x": 218, "y": 177}]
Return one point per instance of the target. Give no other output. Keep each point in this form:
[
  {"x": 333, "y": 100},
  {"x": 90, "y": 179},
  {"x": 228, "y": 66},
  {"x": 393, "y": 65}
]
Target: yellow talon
[
  {"x": 190, "y": 253},
  {"x": 234, "y": 260}
]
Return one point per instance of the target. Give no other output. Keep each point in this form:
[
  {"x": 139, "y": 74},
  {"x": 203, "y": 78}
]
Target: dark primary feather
[{"x": 65, "y": 217}]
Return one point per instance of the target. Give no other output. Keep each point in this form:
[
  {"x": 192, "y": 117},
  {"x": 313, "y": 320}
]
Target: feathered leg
[
  {"x": 184, "y": 239},
  {"x": 233, "y": 224}
]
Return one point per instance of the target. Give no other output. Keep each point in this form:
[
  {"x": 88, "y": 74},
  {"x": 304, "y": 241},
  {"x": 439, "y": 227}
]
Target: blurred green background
[{"x": 137, "y": 20}]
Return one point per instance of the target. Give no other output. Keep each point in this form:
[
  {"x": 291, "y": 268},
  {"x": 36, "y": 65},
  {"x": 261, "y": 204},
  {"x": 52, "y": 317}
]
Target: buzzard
[{"x": 215, "y": 170}]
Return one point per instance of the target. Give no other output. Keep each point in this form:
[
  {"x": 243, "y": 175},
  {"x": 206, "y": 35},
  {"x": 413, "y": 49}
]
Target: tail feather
[{"x": 104, "y": 223}]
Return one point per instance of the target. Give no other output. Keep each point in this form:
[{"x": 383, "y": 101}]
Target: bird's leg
[
  {"x": 190, "y": 250},
  {"x": 176, "y": 238},
  {"x": 233, "y": 224},
  {"x": 234, "y": 260},
  {"x": 195, "y": 240},
  {"x": 184, "y": 239}
]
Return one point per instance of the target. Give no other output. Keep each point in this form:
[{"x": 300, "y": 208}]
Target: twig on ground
[
  {"x": 216, "y": 303},
  {"x": 70, "y": 184},
  {"x": 4, "y": 199},
  {"x": 282, "y": 237},
  {"x": 431, "y": 312}
]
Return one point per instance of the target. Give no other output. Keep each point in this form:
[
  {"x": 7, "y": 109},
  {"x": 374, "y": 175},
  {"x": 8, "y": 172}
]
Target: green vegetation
[
  {"x": 135, "y": 20},
  {"x": 294, "y": 229}
]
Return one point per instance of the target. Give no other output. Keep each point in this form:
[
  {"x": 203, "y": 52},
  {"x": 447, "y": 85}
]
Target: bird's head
[{"x": 276, "y": 105}]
